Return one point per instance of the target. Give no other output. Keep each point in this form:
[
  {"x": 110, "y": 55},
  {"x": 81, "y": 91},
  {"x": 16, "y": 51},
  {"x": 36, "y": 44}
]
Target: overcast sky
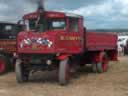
[{"x": 97, "y": 13}]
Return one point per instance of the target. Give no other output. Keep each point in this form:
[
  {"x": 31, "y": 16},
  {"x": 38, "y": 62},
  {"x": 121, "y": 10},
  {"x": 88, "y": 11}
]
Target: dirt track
[{"x": 112, "y": 83}]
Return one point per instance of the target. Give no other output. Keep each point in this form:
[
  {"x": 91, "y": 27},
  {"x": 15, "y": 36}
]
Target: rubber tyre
[
  {"x": 94, "y": 68},
  {"x": 19, "y": 70},
  {"x": 99, "y": 68},
  {"x": 103, "y": 65},
  {"x": 64, "y": 72}
]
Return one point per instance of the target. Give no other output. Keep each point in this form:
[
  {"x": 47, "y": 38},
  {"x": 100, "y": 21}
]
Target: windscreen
[
  {"x": 43, "y": 25},
  {"x": 9, "y": 31}
]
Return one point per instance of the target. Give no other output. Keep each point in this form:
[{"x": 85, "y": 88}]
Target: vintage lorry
[
  {"x": 8, "y": 32},
  {"x": 59, "y": 41}
]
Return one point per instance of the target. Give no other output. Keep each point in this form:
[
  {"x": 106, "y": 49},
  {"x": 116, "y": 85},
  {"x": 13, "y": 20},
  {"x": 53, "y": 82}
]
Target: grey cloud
[
  {"x": 71, "y": 4},
  {"x": 13, "y": 10}
]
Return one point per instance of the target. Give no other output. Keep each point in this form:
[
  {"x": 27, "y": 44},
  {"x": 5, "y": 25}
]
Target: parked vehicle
[
  {"x": 122, "y": 40},
  {"x": 126, "y": 48},
  {"x": 8, "y": 32},
  {"x": 122, "y": 43},
  {"x": 59, "y": 41}
]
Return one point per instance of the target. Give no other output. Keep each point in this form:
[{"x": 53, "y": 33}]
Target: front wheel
[
  {"x": 94, "y": 68},
  {"x": 19, "y": 70},
  {"x": 64, "y": 71}
]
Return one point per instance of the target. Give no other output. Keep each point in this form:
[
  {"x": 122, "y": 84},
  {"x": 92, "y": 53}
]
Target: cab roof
[{"x": 51, "y": 14}]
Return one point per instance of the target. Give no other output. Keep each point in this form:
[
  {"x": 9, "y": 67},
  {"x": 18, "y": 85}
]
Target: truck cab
[{"x": 48, "y": 32}]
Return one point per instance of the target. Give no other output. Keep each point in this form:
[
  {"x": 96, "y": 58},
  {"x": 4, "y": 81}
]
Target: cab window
[
  {"x": 56, "y": 24},
  {"x": 73, "y": 24}
]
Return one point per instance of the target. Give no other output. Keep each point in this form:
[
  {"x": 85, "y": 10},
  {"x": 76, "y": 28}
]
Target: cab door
[{"x": 75, "y": 35}]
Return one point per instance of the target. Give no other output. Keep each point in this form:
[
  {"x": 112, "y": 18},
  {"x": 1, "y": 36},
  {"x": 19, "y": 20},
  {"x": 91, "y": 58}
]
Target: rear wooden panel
[
  {"x": 100, "y": 41},
  {"x": 9, "y": 46}
]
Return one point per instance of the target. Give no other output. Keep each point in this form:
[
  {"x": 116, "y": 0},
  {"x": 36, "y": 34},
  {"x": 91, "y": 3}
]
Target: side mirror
[{"x": 20, "y": 22}]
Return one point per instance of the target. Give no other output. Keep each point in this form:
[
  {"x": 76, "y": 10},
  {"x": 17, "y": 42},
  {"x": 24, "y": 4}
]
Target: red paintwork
[
  {"x": 64, "y": 41},
  {"x": 97, "y": 56},
  {"x": 47, "y": 14},
  {"x": 63, "y": 46},
  {"x": 8, "y": 46},
  {"x": 93, "y": 41},
  {"x": 80, "y": 47},
  {"x": 2, "y": 66},
  {"x": 59, "y": 46},
  {"x": 105, "y": 63},
  {"x": 62, "y": 57},
  {"x": 113, "y": 55},
  {"x": 100, "y": 41},
  {"x": 29, "y": 49}
]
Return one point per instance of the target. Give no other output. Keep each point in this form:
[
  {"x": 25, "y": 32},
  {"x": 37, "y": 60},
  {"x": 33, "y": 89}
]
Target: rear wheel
[
  {"x": 21, "y": 76},
  {"x": 64, "y": 71},
  {"x": 103, "y": 65}
]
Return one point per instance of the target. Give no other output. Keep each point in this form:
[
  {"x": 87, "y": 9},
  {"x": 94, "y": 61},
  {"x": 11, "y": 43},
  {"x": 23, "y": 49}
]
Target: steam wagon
[
  {"x": 8, "y": 32},
  {"x": 59, "y": 41}
]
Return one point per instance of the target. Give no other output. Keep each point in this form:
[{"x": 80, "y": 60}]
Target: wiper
[{"x": 37, "y": 22}]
